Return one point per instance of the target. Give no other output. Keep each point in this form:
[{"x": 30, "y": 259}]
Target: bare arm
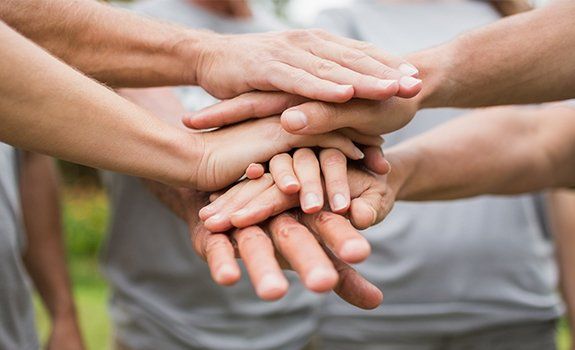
[
  {"x": 45, "y": 254},
  {"x": 525, "y": 58},
  {"x": 123, "y": 49},
  {"x": 500, "y": 151},
  {"x": 561, "y": 205}
]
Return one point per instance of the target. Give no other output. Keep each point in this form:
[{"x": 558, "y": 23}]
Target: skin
[
  {"x": 144, "y": 52},
  {"x": 317, "y": 246},
  {"x": 44, "y": 257},
  {"x": 561, "y": 204},
  {"x": 534, "y": 67},
  {"x": 86, "y": 130},
  {"x": 530, "y": 148}
]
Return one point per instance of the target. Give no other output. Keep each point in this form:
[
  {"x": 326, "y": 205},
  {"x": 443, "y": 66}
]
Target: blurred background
[{"x": 86, "y": 212}]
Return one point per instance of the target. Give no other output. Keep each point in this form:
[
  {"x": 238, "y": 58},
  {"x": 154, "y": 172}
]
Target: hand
[
  {"x": 254, "y": 201},
  {"x": 65, "y": 335},
  {"x": 281, "y": 243},
  {"x": 227, "y": 152},
  {"x": 299, "y": 116},
  {"x": 227, "y": 8},
  {"x": 310, "y": 63}
]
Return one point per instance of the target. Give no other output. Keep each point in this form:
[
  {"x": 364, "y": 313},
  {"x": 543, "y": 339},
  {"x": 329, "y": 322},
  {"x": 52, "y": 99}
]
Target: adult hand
[
  {"x": 254, "y": 201},
  {"x": 299, "y": 116},
  {"x": 309, "y": 63},
  {"x": 227, "y": 152},
  {"x": 283, "y": 242}
]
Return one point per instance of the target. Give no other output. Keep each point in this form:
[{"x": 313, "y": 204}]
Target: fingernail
[
  {"x": 311, "y": 201},
  {"x": 320, "y": 276},
  {"x": 374, "y": 216},
  {"x": 359, "y": 154},
  {"x": 270, "y": 286},
  {"x": 355, "y": 249},
  {"x": 408, "y": 69},
  {"x": 384, "y": 83},
  {"x": 206, "y": 211},
  {"x": 290, "y": 181},
  {"x": 295, "y": 120},
  {"x": 344, "y": 89},
  {"x": 409, "y": 82},
  {"x": 339, "y": 202}
]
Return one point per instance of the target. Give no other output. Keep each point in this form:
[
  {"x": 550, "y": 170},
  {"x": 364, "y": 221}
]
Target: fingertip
[
  {"x": 218, "y": 223},
  {"x": 289, "y": 185},
  {"x": 342, "y": 93},
  {"x": 321, "y": 279},
  {"x": 255, "y": 171},
  {"x": 355, "y": 250},
  {"x": 227, "y": 275},
  {"x": 409, "y": 87},
  {"x": 362, "y": 214},
  {"x": 272, "y": 287},
  {"x": 340, "y": 203},
  {"x": 206, "y": 211}
]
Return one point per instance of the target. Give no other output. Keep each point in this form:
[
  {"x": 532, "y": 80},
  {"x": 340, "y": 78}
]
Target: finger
[
  {"x": 270, "y": 203},
  {"x": 281, "y": 168},
  {"x": 246, "y": 106},
  {"x": 215, "y": 196},
  {"x": 339, "y": 235},
  {"x": 255, "y": 171},
  {"x": 307, "y": 170},
  {"x": 300, "y": 248},
  {"x": 353, "y": 288},
  {"x": 257, "y": 252},
  {"x": 220, "y": 221},
  {"x": 329, "y": 140},
  {"x": 317, "y": 117},
  {"x": 375, "y": 161},
  {"x": 364, "y": 86},
  {"x": 362, "y": 139},
  {"x": 217, "y": 250},
  {"x": 370, "y": 208},
  {"x": 299, "y": 82},
  {"x": 407, "y": 87},
  {"x": 334, "y": 170},
  {"x": 220, "y": 200}
]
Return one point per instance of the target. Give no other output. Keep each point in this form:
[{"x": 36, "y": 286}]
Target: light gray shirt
[
  {"x": 162, "y": 294},
  {"x": 444, "y": 267},
  {"x": 17, "y": 327}
]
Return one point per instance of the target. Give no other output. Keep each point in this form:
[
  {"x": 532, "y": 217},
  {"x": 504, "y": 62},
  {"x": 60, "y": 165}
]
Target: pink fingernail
[
  {"x": 295, "y": 120},
  {"x": 384, "y": 83},
  {"x": 409, "y": 82},
  {"x": 408, "y": 69},
  {"x": 271, "y": 287},
  {"x": 355, "y": 249},
  {"x": 311, "y": 201},
  {"x": 290, "y": 181},
  {"x": 240, "y": 212},
  {"x": 339, "y": 202}
]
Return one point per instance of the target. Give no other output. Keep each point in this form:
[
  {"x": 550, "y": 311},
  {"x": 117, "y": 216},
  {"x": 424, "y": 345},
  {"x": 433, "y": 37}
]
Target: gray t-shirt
[
  {"x": 17, "y": 327},
  {"x": 162, "y": 294},
  {"x": 444, "y": 267}
]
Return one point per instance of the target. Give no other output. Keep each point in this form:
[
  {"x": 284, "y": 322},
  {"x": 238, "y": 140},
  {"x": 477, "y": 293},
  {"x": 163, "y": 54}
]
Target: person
[
  {"x": 32, "y": 248},
  {"x": 470, "y": 274},
  {"x": 167, "y": 302}
]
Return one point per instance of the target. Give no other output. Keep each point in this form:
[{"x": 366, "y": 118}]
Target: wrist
[
  {"x": 434, "y": 67},
  {"x": 191, "y": 50},
  {"x": 189, "y": 148}
]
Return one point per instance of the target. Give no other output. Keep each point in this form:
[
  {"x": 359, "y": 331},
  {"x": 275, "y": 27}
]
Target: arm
[
  {"x": 122, "y": 49},
  {"x": 561, "y": 207},
  {"x": 45, "y": 254},
  {"x": 525, "y": 58},
  {"x": 502, "y": 150}
]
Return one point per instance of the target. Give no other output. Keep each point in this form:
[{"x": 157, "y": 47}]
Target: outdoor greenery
[{"x": 86, "y": 213}]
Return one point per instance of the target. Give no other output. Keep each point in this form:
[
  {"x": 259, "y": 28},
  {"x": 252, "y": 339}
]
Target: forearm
[
  {"x": 500, "y": 151},
  {"x": 561, "y": 205},
  {"x": 86, "y": 34},
  {"x": 45, "y": 253},
  {"x": 77, "y": 119},
  {"x": 525, "y": 58}
]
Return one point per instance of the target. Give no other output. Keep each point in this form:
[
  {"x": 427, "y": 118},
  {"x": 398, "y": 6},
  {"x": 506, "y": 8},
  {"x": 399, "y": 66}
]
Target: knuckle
[
  {"x": 299, "y": 35},
  {"x": 288, "y": 231},
  {"x": 215, "y": 243},
  {"x": 340, "y": 184},
  {"x": 353, "y": 56},
  {"x": 333, "y": 158},
  {"x": 324, "y": 218},
  {"x": 325, "y": 67},
  {"x": 251, "y": 237},
  {"x": 365, "y": 46}
]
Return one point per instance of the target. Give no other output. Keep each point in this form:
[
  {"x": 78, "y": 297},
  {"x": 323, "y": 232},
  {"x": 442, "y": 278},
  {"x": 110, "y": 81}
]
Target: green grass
[{"x": 85, "y": 217}]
